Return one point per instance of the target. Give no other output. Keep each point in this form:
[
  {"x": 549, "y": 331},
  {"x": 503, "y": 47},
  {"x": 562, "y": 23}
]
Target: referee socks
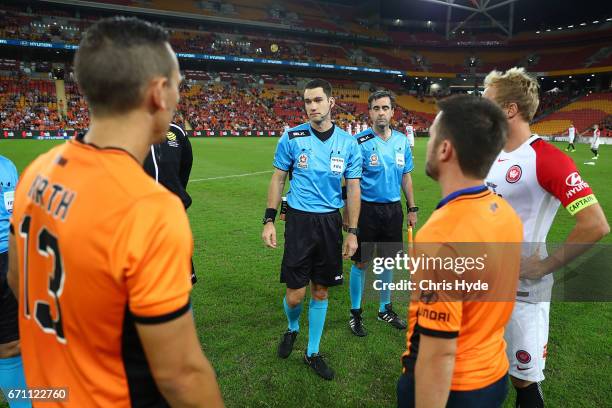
[
  {"x": 316, "y": 321},
  {"x": 385, "y": 294},
  {"x": 293, "y": 315},
  {"x": 356, "y": 282}
]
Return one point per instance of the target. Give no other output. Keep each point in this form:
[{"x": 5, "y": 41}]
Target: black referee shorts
[
  {"x": 9, "y": 331},
  {"x": 313, "y": 249},
  {"x": 379, "y": 223}
]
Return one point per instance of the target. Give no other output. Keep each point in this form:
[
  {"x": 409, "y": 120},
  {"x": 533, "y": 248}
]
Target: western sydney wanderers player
[
  {"x": 535, "y": 177},
  {"x": 455, "y": 348},
  {"x": 103, "y": 271}
]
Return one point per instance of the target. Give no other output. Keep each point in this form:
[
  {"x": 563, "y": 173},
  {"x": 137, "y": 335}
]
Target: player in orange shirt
[
  {"x": 100, "y": 253},
  {"x": 455, "y": 346}
]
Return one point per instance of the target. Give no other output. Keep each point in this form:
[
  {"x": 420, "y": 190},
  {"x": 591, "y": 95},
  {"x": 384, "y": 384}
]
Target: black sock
[
  {"x": 530, "y": 397},
  {"x": 594, "y": 152}
]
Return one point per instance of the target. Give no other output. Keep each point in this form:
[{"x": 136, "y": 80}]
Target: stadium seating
[
  {"x": 584, "y": 113},
  {"x": 28, "y": 103}
]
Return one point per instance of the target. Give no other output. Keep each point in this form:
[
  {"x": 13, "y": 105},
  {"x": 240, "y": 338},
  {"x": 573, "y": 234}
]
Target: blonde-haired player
[{"x": 535, "y": 177}]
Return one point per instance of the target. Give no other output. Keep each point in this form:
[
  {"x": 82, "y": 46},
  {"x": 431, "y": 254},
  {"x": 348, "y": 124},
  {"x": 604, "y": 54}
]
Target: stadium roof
[{"x": 528, "y": 14}]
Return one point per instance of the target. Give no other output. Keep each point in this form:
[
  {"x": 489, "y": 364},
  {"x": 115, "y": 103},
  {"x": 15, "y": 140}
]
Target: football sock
[
  {"x": 12, "y": 377},
  {"x": 530, "y": 397},
  {"x": 293, "y": 315},
  {"x": 356, "y": 286},
  {"x": 316, "y": 321},
  {"x": 385, "y": 294}
]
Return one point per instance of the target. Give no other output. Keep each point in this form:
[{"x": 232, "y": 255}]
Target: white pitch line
[{"x": 231, "y": 176}]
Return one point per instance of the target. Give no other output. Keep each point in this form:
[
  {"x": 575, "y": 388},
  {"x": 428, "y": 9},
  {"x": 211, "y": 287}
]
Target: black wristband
[
  {"x": 270, "y": 214},
  {"x": 344, "y": 196}
]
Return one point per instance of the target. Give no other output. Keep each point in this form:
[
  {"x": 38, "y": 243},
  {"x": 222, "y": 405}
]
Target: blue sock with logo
[
  {"x": 356, "y": 282},
  {"x": 316, "y": 321},
  {"x": 293, "y": 315},
  {"x": 385, "y": 294},
  {"x": 12, "y": 378}
]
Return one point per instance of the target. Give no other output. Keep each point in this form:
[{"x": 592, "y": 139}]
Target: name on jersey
[
  {"x": 298, "y": 133},
  {"x": 575, "y": 181},
  {"x": 434, "y": 315},
  {"x": 54, "y": 198}
]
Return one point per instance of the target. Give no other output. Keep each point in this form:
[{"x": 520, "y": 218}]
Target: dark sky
[{"x": 538, "y": 13}]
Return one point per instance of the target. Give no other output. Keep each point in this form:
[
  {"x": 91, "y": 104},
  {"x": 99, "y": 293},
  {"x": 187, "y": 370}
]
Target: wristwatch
[
  {"x": 267, "y": 220},
  {"x": 413, "y": 209},
  {"x": 354, "y": 231}
]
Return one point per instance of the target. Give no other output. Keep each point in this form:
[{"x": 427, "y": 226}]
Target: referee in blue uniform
[
  {"x": 387, "y": 163},
  {"x": 319, "y": 155},
  {"x": 11, "y": 365}
]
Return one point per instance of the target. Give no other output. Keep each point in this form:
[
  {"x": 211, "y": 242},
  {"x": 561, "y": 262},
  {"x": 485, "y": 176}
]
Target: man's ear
[
  {"x": 157, "y": 89},
  {"x": 332, "y": 102},
  {"x": 445, "y": 150},
  {"x": 512, "y": 110}
]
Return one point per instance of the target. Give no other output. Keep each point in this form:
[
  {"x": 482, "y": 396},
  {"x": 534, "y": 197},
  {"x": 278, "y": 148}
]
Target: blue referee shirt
[
  {"x": 384, "y": 164},
  {"x": 318, "y": 167},
  {"x": 8, "y": 181}
]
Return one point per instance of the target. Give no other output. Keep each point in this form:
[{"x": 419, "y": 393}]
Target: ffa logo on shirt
[
  {"x": 374, "y": 160},
  {"x": 171, "y": 137},
  {"x": 399, "y": 159},
  {"x": 9, "y": 198},
  {"x": 514, "y": 174},
  {"x": 303, "y": 161},
  {"x": 337, "y": 165}
]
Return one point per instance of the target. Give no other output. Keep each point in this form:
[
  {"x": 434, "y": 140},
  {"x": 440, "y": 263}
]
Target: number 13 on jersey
[{"x": 47, "y": 246}]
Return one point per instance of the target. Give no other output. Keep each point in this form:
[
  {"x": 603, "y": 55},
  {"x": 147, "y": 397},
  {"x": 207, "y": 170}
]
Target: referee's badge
[
  {"x": 399, "y": 159},
  {"x": 337, "y": 165},
  {"x": 374, "y": 160},
  {"x": 302, "y": 161}
]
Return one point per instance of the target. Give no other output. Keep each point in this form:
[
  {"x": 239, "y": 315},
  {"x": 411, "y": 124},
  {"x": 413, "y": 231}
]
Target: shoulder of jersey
[
  {"x": 365, "y": 136},
  {"x": 302, "y": 130},
  {"x": 177, "y": 130},
  {"x": 548, "y": 150}
]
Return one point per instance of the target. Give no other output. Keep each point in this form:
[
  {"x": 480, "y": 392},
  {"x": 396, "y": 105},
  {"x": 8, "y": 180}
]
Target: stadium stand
[{"x": 584, "y": 113}]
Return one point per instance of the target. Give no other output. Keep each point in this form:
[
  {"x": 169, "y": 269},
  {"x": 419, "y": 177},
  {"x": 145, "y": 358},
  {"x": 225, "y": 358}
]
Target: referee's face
[
  {"x": 318, "y": 106},
  {"x": 381, "y": 112}
]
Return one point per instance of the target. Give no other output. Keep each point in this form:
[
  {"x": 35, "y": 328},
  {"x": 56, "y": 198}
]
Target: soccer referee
[
  {"x": 387, "y": 163},
  {"x": 319, "y": 154}
]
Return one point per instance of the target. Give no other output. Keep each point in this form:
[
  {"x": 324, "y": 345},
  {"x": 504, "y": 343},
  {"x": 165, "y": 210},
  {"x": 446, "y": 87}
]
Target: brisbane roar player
[
  {"x": 100, "y": 256},
  {"x": 455, "y": 348}
]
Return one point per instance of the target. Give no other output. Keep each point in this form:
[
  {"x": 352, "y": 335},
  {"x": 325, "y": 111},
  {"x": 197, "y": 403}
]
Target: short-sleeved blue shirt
[
  {"x": 318, "y": 167},
  {"x": 384, "y": 164},
  {"x": 8, "y": 182}
]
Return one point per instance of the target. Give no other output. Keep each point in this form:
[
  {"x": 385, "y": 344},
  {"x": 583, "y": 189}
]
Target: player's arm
[
  {"x": 275, "y": 190},
  {"x": 434, "y": 371},
  {"x": 13, "y": 268},
  {"x": 409, "y": 194},
  {"x": 591, "y": 226},
  {"x": 181, "y": 371},
  {"x": 353, "y": 206},
  {"x": 555, "y": 173}
]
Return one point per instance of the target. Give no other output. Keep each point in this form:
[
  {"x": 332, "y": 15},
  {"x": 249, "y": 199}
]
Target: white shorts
[{"x": 526, "y": 336}]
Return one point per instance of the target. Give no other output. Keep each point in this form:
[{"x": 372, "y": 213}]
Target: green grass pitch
[{"x": 238, "y": 300}]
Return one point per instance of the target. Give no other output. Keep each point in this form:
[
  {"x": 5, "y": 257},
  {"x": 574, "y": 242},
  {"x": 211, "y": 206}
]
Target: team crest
[
  {"x": 303, "y": 161},
  {"x": 171, "y": 136},
  {"x": 374, "y": 160},
  {"x": 523, "y": 357},
  {"x": 514, "y": 174}
]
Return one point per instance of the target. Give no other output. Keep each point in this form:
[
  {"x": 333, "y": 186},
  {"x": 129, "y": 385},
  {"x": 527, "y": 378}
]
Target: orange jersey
[
  {"x": 479, "y": 217},
  {"x": 100, "y": 247}
]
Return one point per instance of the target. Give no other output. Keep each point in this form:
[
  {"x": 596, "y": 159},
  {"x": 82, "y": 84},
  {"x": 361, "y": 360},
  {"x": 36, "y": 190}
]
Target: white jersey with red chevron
[{"x": 535, "y": 178}]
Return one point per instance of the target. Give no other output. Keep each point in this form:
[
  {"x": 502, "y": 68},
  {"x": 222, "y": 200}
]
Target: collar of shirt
[{"x": 458, "y": 193}]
